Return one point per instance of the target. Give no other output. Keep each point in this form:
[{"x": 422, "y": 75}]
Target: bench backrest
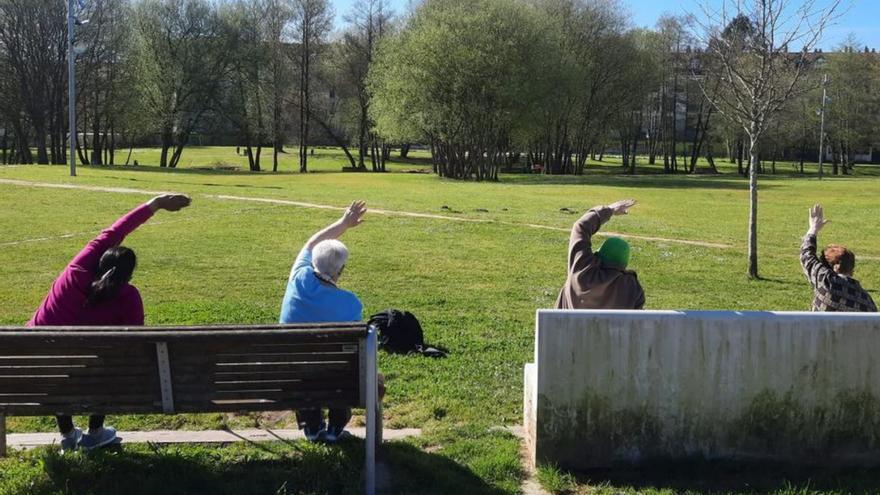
[{"x": 112, "y": 370}]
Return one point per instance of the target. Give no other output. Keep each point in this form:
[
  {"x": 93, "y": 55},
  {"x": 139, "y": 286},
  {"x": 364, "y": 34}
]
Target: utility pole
[
  {"x": 822, "y": 125},
  {"x": 71, "y": 86}
]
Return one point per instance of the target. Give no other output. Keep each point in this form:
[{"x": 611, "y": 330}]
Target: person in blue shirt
[{"x": 313, "y": 296}]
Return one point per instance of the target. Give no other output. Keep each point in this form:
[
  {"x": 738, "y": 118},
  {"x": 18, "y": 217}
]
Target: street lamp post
[
  {"x": 822, "y": 126},
  {"x": 71, "y": 85}
]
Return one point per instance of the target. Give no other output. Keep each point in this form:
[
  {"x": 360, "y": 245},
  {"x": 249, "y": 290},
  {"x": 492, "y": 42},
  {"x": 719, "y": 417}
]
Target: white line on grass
[
  {"x": 122, "y": 190},
  {"x": 301, "y": 204}
]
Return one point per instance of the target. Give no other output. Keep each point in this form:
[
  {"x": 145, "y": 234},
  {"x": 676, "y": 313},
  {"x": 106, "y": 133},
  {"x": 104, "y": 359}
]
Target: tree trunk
[
  {"x": 753, "y": 205},
  {"x": 739, "y": 156},
  {"x": 711, "y": 159}
]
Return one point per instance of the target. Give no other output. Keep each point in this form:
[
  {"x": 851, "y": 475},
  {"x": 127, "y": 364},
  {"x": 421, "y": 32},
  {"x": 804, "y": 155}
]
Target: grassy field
[
  {"x": 474, "y": 275},
  {"x": 322, "y": 159}
]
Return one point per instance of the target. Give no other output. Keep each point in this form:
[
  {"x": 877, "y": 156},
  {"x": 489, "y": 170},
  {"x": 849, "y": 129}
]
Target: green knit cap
[{"x": 615, "y": 252}]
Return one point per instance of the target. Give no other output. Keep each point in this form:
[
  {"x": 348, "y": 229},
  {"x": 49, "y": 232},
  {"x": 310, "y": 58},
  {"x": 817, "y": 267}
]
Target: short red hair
[{"x": 840, "y": 258}]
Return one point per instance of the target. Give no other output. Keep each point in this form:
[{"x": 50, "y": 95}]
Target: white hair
[{"x": 328, "y": 258}]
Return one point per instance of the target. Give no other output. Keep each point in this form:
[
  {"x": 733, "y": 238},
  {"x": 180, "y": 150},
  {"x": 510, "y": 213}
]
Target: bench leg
[
  {"x": 2, "y": 435},
  {"x": 372, "y": 408}
]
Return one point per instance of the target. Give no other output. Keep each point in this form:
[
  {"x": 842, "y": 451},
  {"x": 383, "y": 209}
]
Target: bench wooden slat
[
  {"x": 78, "y": 361},
  {"x": 20, "y": 349},
  {"x": 207, "y": 329},
  {"x": 345, "y": 395},
  {"x": 85, "y": 379},
  {"x": 273, "y": 375},
  {"x": 84, "y": 371},
  {"x": 280, "y": 386},
  {"x": 264, "y": 346},
  {"x": 229, "y": 359},
  {"x": 74, "y": 387},
  {"x": 82, "y": 336},
  {"x": 107, "y": 398},
  {"x": 256, "y": 405},
  {"x": 79, "y": 409},
  {"x": 193, "y": 369}
]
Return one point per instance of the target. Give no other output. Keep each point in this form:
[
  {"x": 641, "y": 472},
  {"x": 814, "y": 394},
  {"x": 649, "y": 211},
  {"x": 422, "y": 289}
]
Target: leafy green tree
[
  {"x": 468, "y": 77},
  {"x": 184, "y": 56},
  {"x": 245, "y": 100},
  {"x": 368, "y": 22}
]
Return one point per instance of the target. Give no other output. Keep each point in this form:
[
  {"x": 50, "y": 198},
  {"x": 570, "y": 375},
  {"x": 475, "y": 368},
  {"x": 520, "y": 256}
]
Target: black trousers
[
  {"x": 65, "y": 423},
  {"x": 312, "y": 418}
]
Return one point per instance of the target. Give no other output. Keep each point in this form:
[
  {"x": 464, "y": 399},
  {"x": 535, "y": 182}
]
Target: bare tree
[
  {"x": 752, "y": 42},
  {"x": 278, "y": 14},
  {"x": 32, "y": 37},
  {"x": 102, "y": 93},
  {"x": 312, "y": 21}
]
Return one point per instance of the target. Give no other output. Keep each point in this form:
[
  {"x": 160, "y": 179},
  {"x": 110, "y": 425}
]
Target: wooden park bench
[{"x": 231, "y": 368}]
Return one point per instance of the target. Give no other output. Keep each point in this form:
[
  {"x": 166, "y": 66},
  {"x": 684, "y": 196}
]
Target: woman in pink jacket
[{"x": 94, "y": 290}]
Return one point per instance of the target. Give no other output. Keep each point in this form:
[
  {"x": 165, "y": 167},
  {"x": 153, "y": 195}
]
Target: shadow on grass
[
  {"x": 703, "y": 477},
  {"x": 656, "y": 181},
  {"x": 206, "y": 184},
  {"x": 241, "y": 468},
  {"x": 415, "y": 471}
]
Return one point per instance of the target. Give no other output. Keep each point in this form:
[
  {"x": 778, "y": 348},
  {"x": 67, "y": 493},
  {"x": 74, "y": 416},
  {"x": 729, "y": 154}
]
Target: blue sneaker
[
  {"x": 70, "y": 443},
  {"x": 336, "y": 434},
  {"x": 315, "y": 436},
  {"x": 105, "y": 436}
]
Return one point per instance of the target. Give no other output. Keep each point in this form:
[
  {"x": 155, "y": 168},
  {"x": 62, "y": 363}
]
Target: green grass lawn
[
  {"x": 474, "y": 284},
  {"x": 323, "y": 159}
]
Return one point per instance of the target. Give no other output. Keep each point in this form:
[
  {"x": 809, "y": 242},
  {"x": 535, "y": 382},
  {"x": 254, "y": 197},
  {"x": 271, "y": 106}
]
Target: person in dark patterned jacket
[{"x": 834, "y": 289}]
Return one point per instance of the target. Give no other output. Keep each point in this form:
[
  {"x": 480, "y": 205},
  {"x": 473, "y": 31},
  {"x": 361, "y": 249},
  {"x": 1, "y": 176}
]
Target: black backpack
[{"x": 401, "y": 333}]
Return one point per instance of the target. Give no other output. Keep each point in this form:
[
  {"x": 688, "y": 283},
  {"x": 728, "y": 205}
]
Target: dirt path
[{"x": 301, "y": 204}]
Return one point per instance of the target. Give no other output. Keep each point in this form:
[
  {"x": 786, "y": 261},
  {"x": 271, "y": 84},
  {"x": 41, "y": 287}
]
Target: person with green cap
[{"x": 600, "y": 280}]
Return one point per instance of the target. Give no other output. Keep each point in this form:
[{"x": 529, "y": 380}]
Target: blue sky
[{"x": 861, "y": 18}]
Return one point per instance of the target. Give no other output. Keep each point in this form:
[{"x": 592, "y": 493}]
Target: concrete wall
[{"x": 629, "y": 386}]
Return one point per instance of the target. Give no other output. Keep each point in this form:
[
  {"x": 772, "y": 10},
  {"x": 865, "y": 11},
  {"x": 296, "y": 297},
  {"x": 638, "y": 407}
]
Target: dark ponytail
[{"x": 114, "y": 270}]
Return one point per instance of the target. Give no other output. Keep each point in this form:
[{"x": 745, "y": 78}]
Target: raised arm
[
  {"x": 580, "y": 244},
  {"x": 353, "y": 216},
  {"x": 815, "y": 269},
  {"x": 88, "y": 258}
]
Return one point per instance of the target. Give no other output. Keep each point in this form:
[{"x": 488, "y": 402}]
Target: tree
[
  {"x": 102, "y": 91},
  {"x": 312, "y": 21},
  {"x": 854, "y": 102},
  {"x": 368, "y": 22},
  {"x": 279, "y": 14},
  {"x": 468, "y": 77},
  {"x": 34, "y": 43},
  {"x": 759, "y": 72},
  {"x": 183, "y": 57},
  {"x": 246, "y": 97},
  {"x": 586, "y": 53}
]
